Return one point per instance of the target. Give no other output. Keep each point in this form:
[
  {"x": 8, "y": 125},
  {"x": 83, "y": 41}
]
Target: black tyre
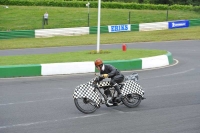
[
  {"x": 85, "y": 105},
  {"x": 131, "y": 100}
]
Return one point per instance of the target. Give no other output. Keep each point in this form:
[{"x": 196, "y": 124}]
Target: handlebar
[{"x": 96, "y": 80}]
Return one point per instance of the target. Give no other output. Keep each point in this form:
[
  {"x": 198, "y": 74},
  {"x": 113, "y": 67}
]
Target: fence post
[
  {"x": 129, "y": 17},
  {"x": 88, "y": 5},
  {"x": 167, "y": 13},
  {"x": 88, "y": 19}
]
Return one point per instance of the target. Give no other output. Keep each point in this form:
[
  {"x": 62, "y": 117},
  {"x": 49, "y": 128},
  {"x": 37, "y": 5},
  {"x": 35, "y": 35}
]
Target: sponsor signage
[
  {"x": 178, "y": 24},
  {"x": 119, "y": 28}
]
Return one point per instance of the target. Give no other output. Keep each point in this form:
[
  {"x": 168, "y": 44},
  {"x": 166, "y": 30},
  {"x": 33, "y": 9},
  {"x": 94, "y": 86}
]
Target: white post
[{"x": 98, "y": 26}]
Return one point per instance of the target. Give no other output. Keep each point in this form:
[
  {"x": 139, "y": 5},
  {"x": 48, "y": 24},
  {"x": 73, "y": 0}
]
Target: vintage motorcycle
[{"x": 88, "y": 97}]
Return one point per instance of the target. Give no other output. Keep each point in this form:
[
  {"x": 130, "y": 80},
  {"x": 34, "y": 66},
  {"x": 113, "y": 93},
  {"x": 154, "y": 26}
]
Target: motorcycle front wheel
[
  {"x": 85, "y": 105},
  {"x": 131, "y": 100}
]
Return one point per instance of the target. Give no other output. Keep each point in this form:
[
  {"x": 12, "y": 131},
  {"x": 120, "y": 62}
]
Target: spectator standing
[{"x": 46, "y": 15}]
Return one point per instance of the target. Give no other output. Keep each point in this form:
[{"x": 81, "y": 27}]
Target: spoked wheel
[
  {"x": 131, "y": 100},
  {"x": 85, "y": 105}
]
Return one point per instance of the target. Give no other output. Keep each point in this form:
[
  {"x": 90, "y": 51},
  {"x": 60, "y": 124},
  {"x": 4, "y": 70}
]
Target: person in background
[{"x": 46, "y": 15}]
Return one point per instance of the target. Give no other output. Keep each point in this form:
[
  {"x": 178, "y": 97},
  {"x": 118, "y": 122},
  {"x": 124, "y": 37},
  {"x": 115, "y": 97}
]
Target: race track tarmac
[{"x": 45, "y": 104}]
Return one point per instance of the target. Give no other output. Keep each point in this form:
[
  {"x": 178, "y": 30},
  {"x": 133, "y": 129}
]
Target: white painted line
[
  {"x": 59, "y": 90},
  {"x": 25, "y": 102},
  {"x": 182, "y": 72},
  {"x": 173, "y": 85},
  {"x": 49, "y": 121}
]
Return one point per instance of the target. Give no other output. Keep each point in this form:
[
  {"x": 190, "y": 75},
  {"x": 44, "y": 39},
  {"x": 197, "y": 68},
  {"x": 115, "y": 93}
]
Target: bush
[
  {"x": 181, "y": 7},
  {"x": 196, "y": 8}
]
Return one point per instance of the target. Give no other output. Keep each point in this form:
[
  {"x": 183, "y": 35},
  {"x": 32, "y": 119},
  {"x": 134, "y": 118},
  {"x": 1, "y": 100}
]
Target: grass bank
[
  {"x": 30, "y": 17},
  {"x": 79, "y": 57}
]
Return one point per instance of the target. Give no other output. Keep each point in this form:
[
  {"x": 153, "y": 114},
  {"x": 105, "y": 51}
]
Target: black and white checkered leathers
[
  {"x": 87, "y": 91},
  {"x": 101, "y": 84},
  {"x": 133, "y": 77},
  {"x": 130, "y": 87},
  {"x": 104, "y": 83}
]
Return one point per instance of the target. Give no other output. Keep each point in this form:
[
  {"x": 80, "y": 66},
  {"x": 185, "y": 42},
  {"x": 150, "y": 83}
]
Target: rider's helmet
[{"x": 98, "y": 62}]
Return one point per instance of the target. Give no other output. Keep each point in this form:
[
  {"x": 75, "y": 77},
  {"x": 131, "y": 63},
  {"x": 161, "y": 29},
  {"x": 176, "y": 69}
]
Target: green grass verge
[
  {"x": 30, "y": 17},
  {"x": 79, "y": 56},
  {"x": 107, "y": 38}
]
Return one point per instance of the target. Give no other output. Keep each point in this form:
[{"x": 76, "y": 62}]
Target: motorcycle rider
[{"x": 109, "y": 71}]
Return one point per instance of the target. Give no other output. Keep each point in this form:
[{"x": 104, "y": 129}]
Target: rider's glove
[{"x": 105, "y": 75}]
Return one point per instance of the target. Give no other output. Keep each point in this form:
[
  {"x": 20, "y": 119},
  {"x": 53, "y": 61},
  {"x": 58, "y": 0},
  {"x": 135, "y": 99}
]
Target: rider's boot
[
  {"x": 109, "y": 97},
  {"x": 116, "y": 86},
  {"x": 109, "y": 101}
]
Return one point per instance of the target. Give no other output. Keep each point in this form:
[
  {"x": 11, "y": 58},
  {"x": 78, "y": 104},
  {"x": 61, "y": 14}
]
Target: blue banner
[{"x": 178, "y": 24}]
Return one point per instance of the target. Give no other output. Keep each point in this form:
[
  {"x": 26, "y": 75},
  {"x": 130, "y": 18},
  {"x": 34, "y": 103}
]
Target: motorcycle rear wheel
[
  {"x": 85, "y": 105},
  {"x": 131, "y": 100}
]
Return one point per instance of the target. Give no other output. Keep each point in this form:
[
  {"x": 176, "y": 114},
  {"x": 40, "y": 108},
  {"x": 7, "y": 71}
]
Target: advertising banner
[
  {"x": 178, "y": 24},
  {"x": 153, "y": 26},
  {"x": 119, "y": 28}
]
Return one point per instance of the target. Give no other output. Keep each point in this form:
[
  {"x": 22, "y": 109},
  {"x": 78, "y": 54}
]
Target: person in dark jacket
[{"x": 109, "y": 71}]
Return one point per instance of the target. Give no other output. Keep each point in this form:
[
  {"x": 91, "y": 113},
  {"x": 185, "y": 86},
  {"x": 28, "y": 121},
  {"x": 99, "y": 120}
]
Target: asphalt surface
[{"x": 45, "y": 104}]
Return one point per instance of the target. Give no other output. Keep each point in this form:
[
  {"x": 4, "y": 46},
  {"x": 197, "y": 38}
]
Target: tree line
[{"x": 170, "y": 2}]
